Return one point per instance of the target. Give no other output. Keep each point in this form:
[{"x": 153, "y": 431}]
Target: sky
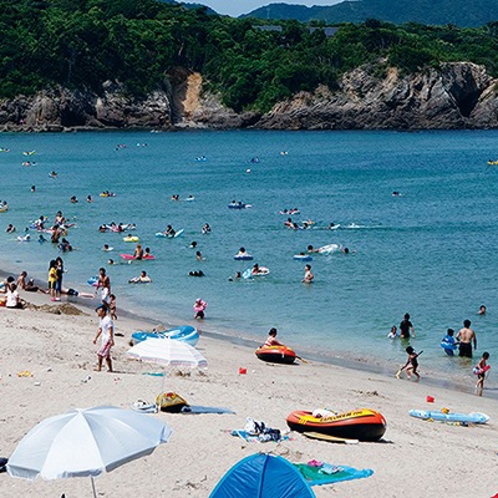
[{"x": 237, "y": 7}]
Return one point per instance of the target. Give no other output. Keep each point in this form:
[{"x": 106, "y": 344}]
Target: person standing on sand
[
  {"x": 405, "y": 327},
  {"x": 480, "y": 371},
  {"x": 466, "y": 336},
  {"x": 106, "y": 330},
  {"x": 104, "y": 283}
]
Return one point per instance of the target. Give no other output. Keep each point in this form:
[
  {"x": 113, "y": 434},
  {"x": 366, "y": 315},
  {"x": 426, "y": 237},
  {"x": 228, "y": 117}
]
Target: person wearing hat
[{"x": 199, "y": 308}]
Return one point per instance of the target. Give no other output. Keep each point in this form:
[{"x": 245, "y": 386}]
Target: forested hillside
[
  {"x": 462, "y": 13},
  {"x": 83, "y": 43}
]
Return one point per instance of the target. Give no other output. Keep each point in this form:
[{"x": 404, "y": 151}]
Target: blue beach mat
[
  {"x": 195, "y": 410},
  {"x": 330, "y": 474}
]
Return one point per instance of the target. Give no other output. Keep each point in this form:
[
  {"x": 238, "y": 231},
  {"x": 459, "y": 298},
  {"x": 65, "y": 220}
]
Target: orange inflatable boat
[
  {"x": 363, "y": 424},
  {"x": 276, "y": 354}
]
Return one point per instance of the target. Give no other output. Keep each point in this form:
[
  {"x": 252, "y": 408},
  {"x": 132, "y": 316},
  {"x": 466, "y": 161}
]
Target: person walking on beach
[
  {"x": 104, "y": 283},
  {"x": 106, "y": 331},
  {"x": 405, "y": 327},
  {"x": 411, "y": 365},
  {"x": 466, "y": 336},
  {"x": 480, "y": 371}
]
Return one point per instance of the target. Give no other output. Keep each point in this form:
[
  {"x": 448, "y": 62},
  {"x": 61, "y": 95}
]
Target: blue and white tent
[{"x": 263, "y": 476}]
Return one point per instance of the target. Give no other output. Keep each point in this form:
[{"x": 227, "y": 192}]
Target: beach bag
[
  {"x": 170, "y": 402},
  {"x": 254, "y": 427}
]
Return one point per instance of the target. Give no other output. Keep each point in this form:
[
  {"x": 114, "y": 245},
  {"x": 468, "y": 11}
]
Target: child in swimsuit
[
  {"x": 480, "y": 371},
  {"x": 411, "y": 364}
]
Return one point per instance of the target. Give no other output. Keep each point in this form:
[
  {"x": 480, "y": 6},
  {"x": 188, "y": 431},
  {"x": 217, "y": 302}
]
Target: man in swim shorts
[{"x": 466, "y": 336}]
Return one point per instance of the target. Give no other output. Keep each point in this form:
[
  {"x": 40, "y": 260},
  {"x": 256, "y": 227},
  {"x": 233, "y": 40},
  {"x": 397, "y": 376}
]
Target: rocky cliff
[{"x": 458, "y": 95}]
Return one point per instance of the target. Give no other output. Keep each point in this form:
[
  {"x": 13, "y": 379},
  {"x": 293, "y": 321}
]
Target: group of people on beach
[{"x": 464, "y": 340}]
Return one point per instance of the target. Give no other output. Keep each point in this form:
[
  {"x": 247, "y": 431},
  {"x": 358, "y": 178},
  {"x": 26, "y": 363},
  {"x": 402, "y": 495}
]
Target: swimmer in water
[{"x": 308, "y": 275}]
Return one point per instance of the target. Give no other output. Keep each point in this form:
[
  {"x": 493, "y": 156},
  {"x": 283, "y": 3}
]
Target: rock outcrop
[
  {"x": 62, "y": 109},
  {"x": 457, "y": 95}
]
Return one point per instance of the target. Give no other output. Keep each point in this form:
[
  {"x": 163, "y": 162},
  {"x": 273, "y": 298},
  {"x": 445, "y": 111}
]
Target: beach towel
[
  {"x": 318, "y": 475},
  {"x": 205, "y": 409},
  {"x": 261, "y": 438}
]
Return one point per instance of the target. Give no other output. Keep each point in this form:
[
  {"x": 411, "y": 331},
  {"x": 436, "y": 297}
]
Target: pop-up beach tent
[{"x": 263, "y": 476}]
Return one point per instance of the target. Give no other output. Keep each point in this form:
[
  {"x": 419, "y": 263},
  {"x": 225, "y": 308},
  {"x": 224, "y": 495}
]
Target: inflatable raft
[
  {"x": 471, "y": 418},
  {"x": 276, "y": 354},
  {"x": 302, "y": 257},
  {"x": 185, "y": 333},
  {"x": 363, "y": 424},
  {"x": 130, "y": 257},
  {"x": 131, "y": 238}
]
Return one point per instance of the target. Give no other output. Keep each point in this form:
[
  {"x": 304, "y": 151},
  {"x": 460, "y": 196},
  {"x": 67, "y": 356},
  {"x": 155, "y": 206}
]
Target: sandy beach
[{"x": 415, "y": 458}]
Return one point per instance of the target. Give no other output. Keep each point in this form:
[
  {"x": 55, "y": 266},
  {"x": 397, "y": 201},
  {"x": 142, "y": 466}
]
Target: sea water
[{"x": 430, "y": 251}]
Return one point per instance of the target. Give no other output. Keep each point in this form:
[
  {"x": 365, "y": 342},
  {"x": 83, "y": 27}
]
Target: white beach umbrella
[
  {"x": 86, "y": 443},
  {"x": 168, "y": 352}
]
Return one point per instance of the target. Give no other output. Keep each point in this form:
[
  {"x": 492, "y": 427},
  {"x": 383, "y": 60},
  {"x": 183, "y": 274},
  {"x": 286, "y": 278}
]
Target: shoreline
[
  {"x": 58, "y": 352},
  {"x": 344, "y": 360}
]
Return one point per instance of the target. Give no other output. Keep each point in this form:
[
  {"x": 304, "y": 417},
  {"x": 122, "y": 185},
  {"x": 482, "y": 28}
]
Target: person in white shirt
[
  {"x": 106, "y": 331},
  {"x": 13, "y": 300}
]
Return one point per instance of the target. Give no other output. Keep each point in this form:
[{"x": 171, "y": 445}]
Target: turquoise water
[{"x": 430, "y": 252}]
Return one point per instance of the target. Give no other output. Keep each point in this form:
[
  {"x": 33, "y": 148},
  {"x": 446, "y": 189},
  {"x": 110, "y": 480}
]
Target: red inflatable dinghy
[
  {"x": 363, "y": 424},
  {"x": 276, "y": 354}
]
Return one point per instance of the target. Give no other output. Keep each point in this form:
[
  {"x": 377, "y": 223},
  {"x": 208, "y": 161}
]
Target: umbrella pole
[{"x": 93, "y": 488}]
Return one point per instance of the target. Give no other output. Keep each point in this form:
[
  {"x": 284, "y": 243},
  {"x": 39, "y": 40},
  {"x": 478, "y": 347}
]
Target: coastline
[
  {"x": 412, "y": 459},
  {"x": 343, "y": 360}
]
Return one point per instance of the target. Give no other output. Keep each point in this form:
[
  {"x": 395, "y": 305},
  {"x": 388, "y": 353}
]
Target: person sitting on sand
[
  {"x": 31, "y": 287},
  {"x": 106, "y": 331},
  {"x": 308, "y": 275},
  {"x": 13, "y": 299},
  {"x": 21, "y": 280},
  {"x": 142, "y": 279},
  {"x": 482, "y": 310},
  {"x": 272, "y": 338}
]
